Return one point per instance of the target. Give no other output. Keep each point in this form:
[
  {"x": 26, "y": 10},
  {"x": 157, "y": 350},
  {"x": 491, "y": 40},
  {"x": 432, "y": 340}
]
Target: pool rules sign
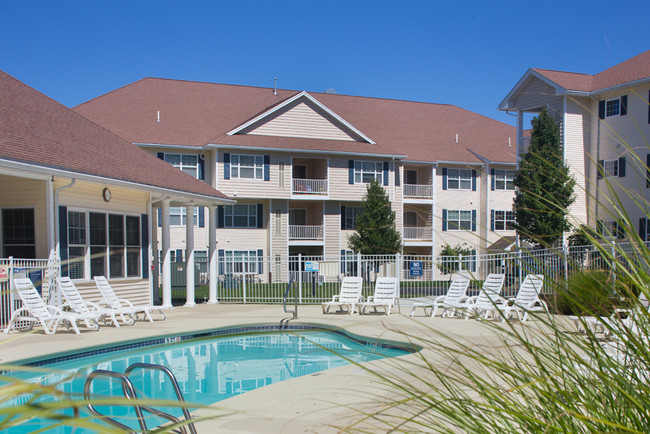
[{"x": 4, "y": 273}]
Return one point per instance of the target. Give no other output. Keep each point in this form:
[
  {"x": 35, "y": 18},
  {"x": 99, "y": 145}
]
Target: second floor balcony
[
  {"x": 309, "y": 186},
  {"x": 305, "y": 232},
  {"x": 418, "y": 191},
  {"x": 418, "y": 233}
]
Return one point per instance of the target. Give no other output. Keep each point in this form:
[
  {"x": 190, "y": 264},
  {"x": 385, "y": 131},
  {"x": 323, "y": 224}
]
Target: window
[
  {"x": 366, "y": 171},
  {"x": 504, "y": 179},
  {"x": 349, "y": 264},
  {"x": 459, "y": 220},
  {"x": 410, "y": 218},
  {"x": 610, "y": 229},
  {"x": 178, "y": 216},
  {"x": 607, "y": 168},
  {"x": 115, "y": 237},
  {"x": 610, "y": 167},
  {"x": 351, "y": 213},
  {"x": 241, "y": 261},
  {"x": 298, "y": 216},
  {"x": 18, "y": 233},
  {"x": 240, "y": 216},
  {"x": 459, "y": 179},
  {"x": 503, "y": 220},
  {"x": 187, "y": 163},
  {"x": 613, "y": 107},
  {"x": 247, "y": 166}
]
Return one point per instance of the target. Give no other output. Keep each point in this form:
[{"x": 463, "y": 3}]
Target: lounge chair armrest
[
  {"x": 335, "y": 298},
  {"x": 440, "y": 299},
  {"x": 370, "y": 299},
  {"x": 54, "y": 309},
  {"x": 126, "y": 302},
  {"x": 471, "y": 300}
]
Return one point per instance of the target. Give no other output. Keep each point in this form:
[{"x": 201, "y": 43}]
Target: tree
[
  {"x": 544, "y": 186},
  {"x": 375, "y": 225}
]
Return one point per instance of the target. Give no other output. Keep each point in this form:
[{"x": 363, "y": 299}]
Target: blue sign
[
  {"x": 415, "y": 269},
  {"x": 311, "y": 266}
]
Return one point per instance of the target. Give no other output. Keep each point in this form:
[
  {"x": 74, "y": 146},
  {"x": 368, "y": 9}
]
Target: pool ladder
[{"x": 129, "y": 392}]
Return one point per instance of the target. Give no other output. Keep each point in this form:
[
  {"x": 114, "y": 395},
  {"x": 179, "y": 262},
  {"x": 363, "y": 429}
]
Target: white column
[
  {"x": 212, "y": 245},
  {"x": 155, "y": 258},
  {"x": 49, "y": 217},
  {"x": 189, "y": 253},
  {"x": 166, "y": 263}
]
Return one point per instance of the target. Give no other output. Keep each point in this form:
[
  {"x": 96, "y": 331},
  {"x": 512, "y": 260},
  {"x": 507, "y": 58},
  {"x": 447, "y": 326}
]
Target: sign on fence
[
  {"x": 415, "y": 269},
  {"x": 311, "y": 266},
  {"x": 4, "y": 273}
]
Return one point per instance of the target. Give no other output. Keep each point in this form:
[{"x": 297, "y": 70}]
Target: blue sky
[{"x": 466, "y": 53}]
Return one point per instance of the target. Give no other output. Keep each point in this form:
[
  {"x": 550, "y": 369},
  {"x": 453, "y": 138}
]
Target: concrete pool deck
[{"x": 321, "y": 402}]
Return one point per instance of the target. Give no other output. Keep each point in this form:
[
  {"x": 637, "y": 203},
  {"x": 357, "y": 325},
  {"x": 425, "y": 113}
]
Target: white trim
[
  {"x": 299, "y": 95},
  {"x": 460, "y": 163},
  {"x": 559, "y": 90}
]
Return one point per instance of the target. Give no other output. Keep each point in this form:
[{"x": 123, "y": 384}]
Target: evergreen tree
[
  {"x": 544, "y": 186},
  {"x": 375, "y": 225}
]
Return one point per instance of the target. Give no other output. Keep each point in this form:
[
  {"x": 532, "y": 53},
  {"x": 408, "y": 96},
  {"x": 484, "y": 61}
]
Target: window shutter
[
  {"x": 621, "y": 167},
  {"x": 63, "y": 239},
  {"x": 647, "y": 177},
  {"x": 260, "y": 261},
  {"x": 623, "y": 105},
  {"x": 601, "y": 168},
  {"x": 350, "y": 171},
  {"x": 385, "y": 173},
  {"x": 201, "y": 168},
  {"x": 221, "y": 255},
  {"x": 144, "y": 244},
  {"x": 473, "y": 220},
  {"x": 343, "y": 215},
  {"x": 444, "y": 219},
  {"x": 492, "y": 181},
  {"x": 397, "y": 180},
  {"x": 473, "y": 180},
  {"x": 492, "y": 220},
  {"x": 179, "y": 255},
  {"x": 601, "y": 109},
  {"x": 161, "y": 155},
  {"x": 444, "y": 178},
  {"x": 599, "y": 227},
  {"x": 201, "y": 217},
  {"x": 260, "y": 216},
  {"x": 343, "y": 261},
  {"x": 267, "y": 164},
  {"x": 226, "y": 166},
  {"x": 642, "y": 228},
  {"x": 472, "y": 263},
  {"x": 159, "y": 217},
  {"x": 220, "y": 217},
  {"x": 620, "y": 231}
]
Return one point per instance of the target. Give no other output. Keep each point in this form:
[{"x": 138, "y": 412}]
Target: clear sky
[{"x": 466, "y": 53}]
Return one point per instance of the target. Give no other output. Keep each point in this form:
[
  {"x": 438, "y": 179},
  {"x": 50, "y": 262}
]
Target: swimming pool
[{"x": 210, "y": 366}]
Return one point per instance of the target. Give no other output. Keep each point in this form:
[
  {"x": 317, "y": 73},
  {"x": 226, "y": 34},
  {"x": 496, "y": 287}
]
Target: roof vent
[
  {"x": 275, "y": 85},
  {"x": 158, "y": 116},
  {"x": 456, "y": 137}
]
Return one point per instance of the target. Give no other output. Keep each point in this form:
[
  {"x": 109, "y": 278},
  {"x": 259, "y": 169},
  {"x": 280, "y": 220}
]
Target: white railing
[
  {"x": 413, "y": 190},
  {"x": 310, "y": 186},
  {"x": 303, "y": 232},
  {"x": 418, "y": 233}
]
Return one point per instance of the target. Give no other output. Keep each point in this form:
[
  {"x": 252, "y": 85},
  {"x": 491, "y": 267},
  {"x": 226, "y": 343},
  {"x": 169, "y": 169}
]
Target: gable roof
[
  {"x": 38, "y": 132},
  {"x": 210, "y": 114}
]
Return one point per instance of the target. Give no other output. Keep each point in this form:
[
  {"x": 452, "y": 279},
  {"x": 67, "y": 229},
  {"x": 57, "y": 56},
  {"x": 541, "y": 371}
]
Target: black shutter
[
  {"x": 647, "y": 177},
  {"x": 260, "y": 216},
  {"x": 620, "y": 231},
  {"x": 601, "y": 168},
  {"x": 63, "y": 239},
  {"x": 226, "y": 166},
  {"x": 179, "y": 255},
  {"x": 343, "y": 261},
  {"x": 601, "y": 109},
  {"x": 144, "y": 244},
  {"x": 444, "y": 219},
  {"x": 201, "y": 168},
  {"x": 642, "y": 228},
  {"x": 343, "y": 214},
  {"x": 621, "y": 167},
  {"x": 473, "y": 180},
  {"x": 221, "y": 255},
  {"x": 267, "y": 170},
  {"x": 350, "y": 171},
  {"x": 444, "y": 178},
  {"x": 493, "y": 180},
  {"x": 492, "y": 220},
  {"x": 220, "y": 217},
  {"x": 161, "y": 155},
  {"x": 624, "y": 105},
  {"x": 385, "y": 173},
  {"x": 473, "y": 220},
  {"x": 599, "y": 227},
  {"x": 201, "y": 217},
  {"x": 260, "y": 261}
]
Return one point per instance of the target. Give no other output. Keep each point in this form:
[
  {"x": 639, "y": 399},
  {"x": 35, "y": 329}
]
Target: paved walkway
[{"x": 314, "y": 403}]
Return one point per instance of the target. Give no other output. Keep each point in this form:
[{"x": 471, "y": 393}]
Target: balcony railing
[
  {"x": 310, "y": 186},
  {"x": 413, "y": 190},
  {"x": 303, "y": 232},
  {"x": 417, "y": 233}
]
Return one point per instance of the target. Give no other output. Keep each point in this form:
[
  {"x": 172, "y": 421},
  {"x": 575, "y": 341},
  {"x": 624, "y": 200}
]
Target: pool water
[{"x": 208, "y": 370}]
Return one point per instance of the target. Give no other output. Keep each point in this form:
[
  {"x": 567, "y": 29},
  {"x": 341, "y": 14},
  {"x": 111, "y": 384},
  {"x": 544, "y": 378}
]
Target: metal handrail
[{"x": 129, "y": 392}]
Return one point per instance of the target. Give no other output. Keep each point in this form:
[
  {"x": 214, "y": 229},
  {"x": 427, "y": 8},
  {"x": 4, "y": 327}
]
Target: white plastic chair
[
  {"x": 527, "y": 299},
  {"x": 35, "y": 310},
  {"x": 113, "y": 302},
  {"x": 488, "y": 300},
  {"x": 348, "y": 297},
  {"x": 385, "y": 295},
  {"x": 79, "y": 305},
  {"x": 455, "y": 298}
]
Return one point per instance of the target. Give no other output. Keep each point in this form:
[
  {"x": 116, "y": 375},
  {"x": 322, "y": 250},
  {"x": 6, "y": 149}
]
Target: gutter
[
  {"x": 305, "y": 151},
  {"x": 460, "y": 163},
  {"x": 159, "y": 145}
]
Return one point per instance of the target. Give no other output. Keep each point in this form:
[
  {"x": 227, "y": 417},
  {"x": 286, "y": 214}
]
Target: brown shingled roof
[
  {"x": 197, "y": 114},
  {"x": 37, "y": 130}
]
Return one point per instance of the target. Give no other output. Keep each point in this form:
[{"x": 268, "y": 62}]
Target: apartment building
[
  {"x": 605, "y": 124},
  {"x": 298, "y": 164}
]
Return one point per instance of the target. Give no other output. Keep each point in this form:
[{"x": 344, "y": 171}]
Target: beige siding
[
  {"x": 302, "y": 121},
  {"x": 535, "y": 95},
  {"x": 574, "y": 150},
  {"x": 332, "y": 226},
  {"x": 27, "y": 193},
  {"x": 87, "y": 195}
]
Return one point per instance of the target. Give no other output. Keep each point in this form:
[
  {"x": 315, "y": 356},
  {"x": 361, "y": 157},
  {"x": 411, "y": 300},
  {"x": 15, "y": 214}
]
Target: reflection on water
[{"x": 210, "y": 369}]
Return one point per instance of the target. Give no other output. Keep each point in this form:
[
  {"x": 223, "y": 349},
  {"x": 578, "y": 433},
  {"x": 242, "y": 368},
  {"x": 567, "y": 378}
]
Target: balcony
[
  {"x": 309, "y": 186},
  {"x": 305, "y": 232},
  {"x": 418, "y": 233},
  {"x": 418, "y": 191}
]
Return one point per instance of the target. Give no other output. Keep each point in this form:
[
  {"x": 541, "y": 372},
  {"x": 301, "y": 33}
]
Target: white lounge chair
[
  {"x": 527, "y": 299},
  {"x": 488, "y": 300},
  {"x": 348, "y": 297},
  {"x": 35, "y": 310},
  {"x": 385, "y": 295},
  {"x": 79, "y": 305},
  {"x": 455, "y": 298},
  {"x": 113, "y": 302}
]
